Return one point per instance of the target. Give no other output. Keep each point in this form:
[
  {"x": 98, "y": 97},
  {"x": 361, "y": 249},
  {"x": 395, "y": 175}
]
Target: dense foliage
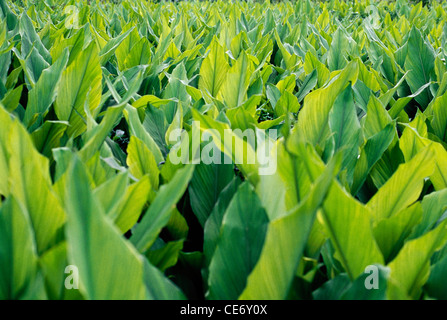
[{"x": 90, "y": 92}]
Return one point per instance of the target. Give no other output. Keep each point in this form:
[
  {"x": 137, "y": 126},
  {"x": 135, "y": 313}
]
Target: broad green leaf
[
  {"x": 110, "y": 193},
  {"x": 434, "y": 206},
  {"x": 434, "y": 286},
  {"x": 141, "y": 162},
  {"x": 234, "y": 89},
  {"x": 284, "y": 244},
  {"x": 391, "y": 233},
  {"x": 312, "y": 63},
  {"x": 12, "y": 98},
  {"x": 348, "y": 224},
  {"x": 206, "y": 185},
  {"x": 88, "y": 227},
  {"x": 26, "y": 166},
  {"x": 333, "y": 289},
  {"x": 420, "y": 63},
  {"x": 308, "y": 84},
  {"x": 136, "y": 128},
  {"x": 166, "y": 256},
  {"x": 6, "y": 122},
  {"x": 80, "y": 84},
  {"x": 234, "y": 260},
  {"x": 346, "y": 130},
  {"x": 18, "y": 255},
  {"x": 404, "y": 187},
  {"x": 214, "y": 69},
  {"x": 130, "y": 208},
  {"x": 53, "y": 264},
  {"x": 211, "y": 229},
  {"x": 339, "y": 46},
  {"x": 48, "y": 136},
  {"x": 233, "y": 146},
  {"x": 411, "y": 268},
  {"x": 44, "y": 93},
  {"x": 290, "y": 60},
  {"x": 150, "y": 99},
  {"x": 286, "y": 103},
  {"x": 313, "y": 118},
  {"x": 159, "y": 212},
  {"x": 376, "y": 119},
  {"x": 439, "y": 121},
  {"x": 370, "y": 153},
  {"x": 411, "y": 143},
  {"x": 358, "y": 290}
]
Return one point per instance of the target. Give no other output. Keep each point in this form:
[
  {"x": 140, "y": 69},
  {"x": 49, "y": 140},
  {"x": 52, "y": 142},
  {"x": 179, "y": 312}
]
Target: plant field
[{"x": 223, "y": 150}]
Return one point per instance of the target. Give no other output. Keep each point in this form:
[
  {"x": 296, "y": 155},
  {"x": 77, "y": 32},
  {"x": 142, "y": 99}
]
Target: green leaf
[
  {"x": 130, "y": 208},
  {"x": 166, "y": 256},
  {"x": 48, "y": 136},
  {"x": 212, "y": 226},
  {"x": 410, "y": 269},
  {"x": 434, "y": 206},
  {"x": 333, "y": 289},
  {"x": 206, "y": 185},
  {"x": 346, "y": 130},
  {"x": 26, "y": 166},
  {"x": 404, "y": 186},
  {"x": 286, "y": 103},
  {"x": 439, "y": 121},
  {"x": 358, "y": 290},
  {"x": 348, "y": 224},
  {"x": 42, "y": 96},
  {"x": 233, "y": 260},
  {"x": 312, "y": 63},
  {"x": 159, "y": 212},
  {"x": 339, "y": 46},
  {"x": 376, "y": 119},
  {"x": 420, "y": 63},
  {"x": 313, "y": 118},
  {"x": 411, "y": 143},
  {"x": 136, "y": 128},
  {"x": 391, "y": 233},
  {"x": 94, "y": 244},
  {"x": 53, "y": 263},
  {"x": 94, "y": 138},
  {"x": 284, "y": 244},
  {"x": 214, "y": 69},
  {"x": 370, "y": 153},
  {"x": 240, "y": 152},
  {"x": 308, "y": 84},
  {"x": 141, "y": 162},
  {"x": 234, "y": 89},
  {"x": 28, "y": 31},
  {"x": 18, "y": 256},
  {"x": 80, "y": 84},
  {"x": 12, "y": 98},
  {"x": 435, "y": 284}
]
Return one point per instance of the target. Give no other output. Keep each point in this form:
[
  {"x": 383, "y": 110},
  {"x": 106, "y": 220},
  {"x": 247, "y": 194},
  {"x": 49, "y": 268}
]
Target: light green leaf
[
  {"x": 88, "y": 227},
  {"x": 80, "y": 84},
  {"x": 159, "y": 212},
  {"x": 410, "y": 269},
  {"x": 284, "y": 244},
  {"x": 404, "y": 186},
  {"x": 348, "y": 224},
  {"x": 214, "y": 69}
]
